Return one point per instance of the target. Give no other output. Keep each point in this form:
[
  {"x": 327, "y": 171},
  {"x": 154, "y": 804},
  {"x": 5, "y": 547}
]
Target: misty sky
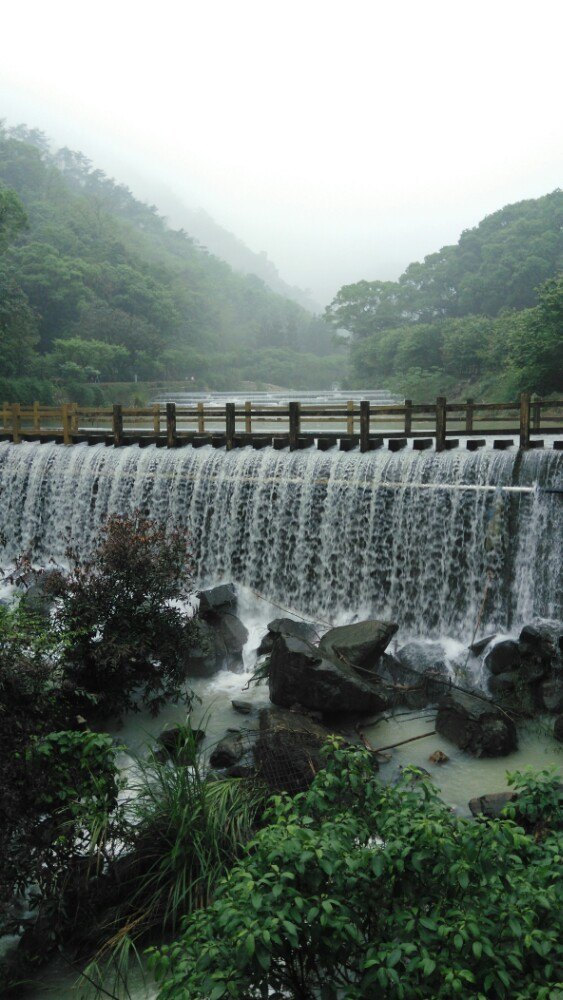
[{"x": 345, "y": 139}]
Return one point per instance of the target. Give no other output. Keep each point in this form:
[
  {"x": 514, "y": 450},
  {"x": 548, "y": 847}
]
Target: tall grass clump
[{"x": 183, "y": 834}]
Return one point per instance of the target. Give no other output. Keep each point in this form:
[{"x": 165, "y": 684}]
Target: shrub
[
  {"x": 360, "y": 890},
  {"x": 183, "y": 833},
  {"x": 129, "y": 639}
]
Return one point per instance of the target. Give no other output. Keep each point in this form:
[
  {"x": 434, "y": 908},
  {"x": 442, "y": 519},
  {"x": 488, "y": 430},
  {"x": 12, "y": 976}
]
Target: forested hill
[
  {"x": 230, "y": 248},
  {"x": 488, "y": 309},
  {"x": 94, "y": 284}
]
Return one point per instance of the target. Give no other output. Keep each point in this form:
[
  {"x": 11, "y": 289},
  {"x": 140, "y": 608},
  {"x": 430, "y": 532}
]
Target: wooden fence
[{"x": 294, "y": 425}]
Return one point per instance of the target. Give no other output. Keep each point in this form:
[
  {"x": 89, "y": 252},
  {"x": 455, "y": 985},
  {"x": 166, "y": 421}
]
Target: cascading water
[{"x": 388, "y": 535}]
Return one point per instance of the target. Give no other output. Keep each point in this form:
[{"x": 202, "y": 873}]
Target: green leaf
[{"x": 428, "y": 966}]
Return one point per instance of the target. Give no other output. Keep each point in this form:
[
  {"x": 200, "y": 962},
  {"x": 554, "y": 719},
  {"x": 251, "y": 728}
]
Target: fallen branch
[{"x": 391, "y": 746}]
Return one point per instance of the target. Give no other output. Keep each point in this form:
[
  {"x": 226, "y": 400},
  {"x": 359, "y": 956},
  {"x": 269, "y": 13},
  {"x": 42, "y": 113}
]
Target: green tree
[
  {"x": 13, "y": 218},
  {"x": 534, "y": 345},
  {"x": 129, "y": 638},
  {"x": 110, "y": 361},
  {"x": 366, "y": 307}
]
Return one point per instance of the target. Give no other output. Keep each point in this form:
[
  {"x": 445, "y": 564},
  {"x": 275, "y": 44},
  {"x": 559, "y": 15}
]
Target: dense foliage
[
  {"x": 356, "y": 889},
  {"x": 182, "y": 833},
  {"x": 82, "y": 260},
  {"x": 130, "y": 638},
  {"x": 109, "y": 635},
  {"x": 489, "y": 306}
]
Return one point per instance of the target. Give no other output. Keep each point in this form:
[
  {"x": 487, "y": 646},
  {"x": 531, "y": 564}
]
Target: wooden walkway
[{"x": 363, "y": 425}]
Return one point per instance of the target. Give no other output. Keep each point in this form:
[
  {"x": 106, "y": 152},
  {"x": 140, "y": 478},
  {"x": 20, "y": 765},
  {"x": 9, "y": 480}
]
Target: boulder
[
  {"x": 218, "y": 600},
  {"x": 359, "y": 645},
  {"x": 288, "y": 750},
  {"x": 304, "y": 674},
  {"x": 244, "y": 707},
  {"x": 503, "y": 657},
  {"x": 286, "y": 626},
  {"x": 234, "y": 635},
  {"x": 480, "y": 646},
  {"x": 229, "y": 750},
  {"x": 179, "y": 743},
  {"x": 544, "y": 639},
  {"x": 558, "y": 728},
  {"x": 476, "y": 726},
  {"x": 491, "y": 805},
  {"x": 500, "y": 683},
  {"x": 551, "y": 694},
  {"x": 207, "y": 653},
  {"x": 425, "y": 670}
]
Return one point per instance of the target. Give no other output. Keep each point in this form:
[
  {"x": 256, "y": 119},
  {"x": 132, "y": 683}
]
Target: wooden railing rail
[{"x": 171, "y": 424}]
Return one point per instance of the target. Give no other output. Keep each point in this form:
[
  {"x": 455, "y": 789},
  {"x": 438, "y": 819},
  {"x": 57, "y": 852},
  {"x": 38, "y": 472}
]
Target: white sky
[{"x": 344, "y": 138}]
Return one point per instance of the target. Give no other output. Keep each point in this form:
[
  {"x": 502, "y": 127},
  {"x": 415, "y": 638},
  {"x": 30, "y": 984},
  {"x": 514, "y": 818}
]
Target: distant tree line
[{"x": 487, "y": 310}]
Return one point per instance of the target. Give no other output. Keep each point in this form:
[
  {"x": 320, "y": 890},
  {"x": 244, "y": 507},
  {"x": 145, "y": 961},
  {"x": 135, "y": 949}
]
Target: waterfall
[{"x": 330, "y": 534}]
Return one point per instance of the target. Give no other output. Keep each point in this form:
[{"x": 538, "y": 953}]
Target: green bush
[
  {"x": 26, "y": 390},
  {"x": 360, "y": 890},
  {"x": 128, "y": 639},
  {"x": 183, "y": 834}
]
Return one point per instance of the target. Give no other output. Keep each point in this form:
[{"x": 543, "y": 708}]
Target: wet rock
[
  {"x": 558, "y": 728},
  {"x": 299, "y": 672},
  {"x": 500, "y": 683},
  {"x": 491, "y": 805},
  {"x": 476, "y": 726},
  {"x": 503, "y": 657},
  {"x": 551, "y": 694},
  {"x": 234, "y": 635},
  {"x": 359, "y": 645},
  {"x": 240, "y": 771},
  {"x": 438, "y": 757},
  {"x": 179, "y": 743},
  {"x": 218, "y": 600},
  {"x": 480, "y": 646},
  {"x": 543, "y": 639},
  {"x": 244, "y": 707},
  {"x": 288, "y": 750},
  {"x": 207, "y": 653},
  {"x": 286, "y": 626},
  {"x": 425, "y": 671},
  {"x": 229, "y": 750}
]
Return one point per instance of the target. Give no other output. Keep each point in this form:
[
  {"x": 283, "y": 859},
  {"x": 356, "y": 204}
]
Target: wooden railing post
[
  {"x": 350, "y": 416},
  {"x": 16, "y": 423},
  {"x": 536, "y": 414},
  {"x": 294, "y": 425},
  {"x": 156, "y": 419},
  {"x": 65, "y": 421},
  {"x": 248, "y": 417},
  {"x": 525, "y": 420},
  {"x": 408, "y": 416},
  {"x": 440, "y": 423},
  {"x": 74, "y": 419},
  {"x": 230, "y": 425},
  {"x": 200, "y": 418},
  {"x": 469, "y": 410},
  {"x": 171, "y": 425},
  {"x": 117, "y": 424},
  {"x": 36, "y": 420},
  {"x": 364, "y": 425}
]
